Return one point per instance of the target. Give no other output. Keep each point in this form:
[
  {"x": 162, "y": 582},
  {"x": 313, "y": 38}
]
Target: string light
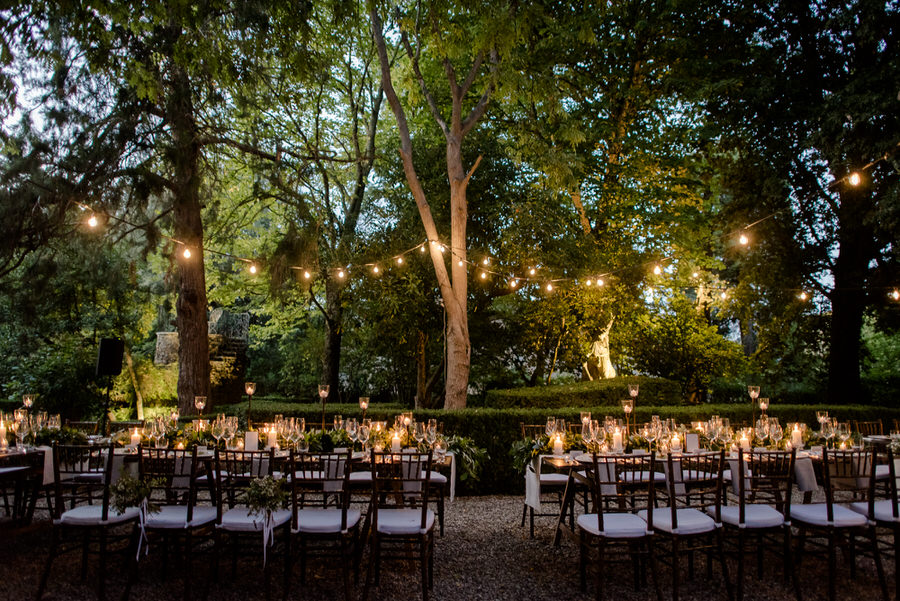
[
  {"x": 485, "y": 261},
  {"x": 657, "y": 269},
  {"x": 306, "y": 275},
  {"x": 695, "y": 275},
  {"x": 512, "y": 283},
  {"x": 341, "y": 273},
  {"x": 588, "y": 283},
  {"x": 744, "y": 240},
  {"x": 460, "y": 263},
  {"x": 532, "y": 271},
  {"x": 724, "y": 295},
  {"x": 895, "y": 294},
  {"x": 252, "y": 268},
  {"x": 422, "y": 248},
  {"x": 187, "y": 253},
  {"x": 483, "y": 275},
  {"x": 443, "y": 249},
  {"x": 399, "y": 260},
  {"x": 855, "y": 179},
  {"x": 803, "y": 296},
  {"x": 92, "y": 221},
  {"x": 599, "y": 282},
  {"x": 549, "y": 287},
  {"x": 375, "y": 269}
]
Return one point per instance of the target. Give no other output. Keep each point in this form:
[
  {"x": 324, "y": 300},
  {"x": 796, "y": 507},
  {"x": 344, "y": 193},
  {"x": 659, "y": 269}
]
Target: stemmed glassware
[
  {"x": 821, "y": 416},
  {"x": 217, "y": 429},
  {"x": 633, "y": 391},
  {"x": 419, "y": 432},
  {"x": 324, "y": 389},
  {"x": 231, "y": 428},
  {"x": 843, "y": 432},
  {"x": 200, "y": 403},
  {"x": 753, "y": 391},
  {"x": 550, "y": 428},
  {"x": 776, "y": 432},
  {"x": 827, "y": 430},
  {"x": 338, "y": 423},
  {"x": 351, "y": 426},
  {"x": 20, "y": 426},
  {"x": 363, "y": 435},
  {"x": 431, "y": 434}
]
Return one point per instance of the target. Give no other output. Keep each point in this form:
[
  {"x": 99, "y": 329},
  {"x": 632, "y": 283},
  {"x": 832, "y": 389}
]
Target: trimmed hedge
[
  {"x": 599, "y": 393},
  {"x": 496, "y": 429}
]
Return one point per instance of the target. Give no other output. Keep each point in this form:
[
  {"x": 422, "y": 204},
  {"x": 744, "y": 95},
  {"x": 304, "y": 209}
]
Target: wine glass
[
  {"x": 843, "y": 432},
  {"x": 217, "y": 429},
  {"x": 351, "y": 426},
  {"x": 776, "y": 432},
  {"x": 200, "y": 403},
  {"x": 338, "y": 423},
  {"x": 433, "y": 424},
  {"x": 762, "y": 429},
  {"x": 20, "y": 427},
  {"x": 362, "y": 434},
  {"x": 550, "y": 428},
  {"x": 827, "y": 431},
  {"x": 440, "y": 449},
  {"x": 763, "y": 404},
  {"x": 821, "y": 416},
  {"x": 419, "y": 432},
  {"x": 303, "y": 444},
  {"x": 431, "y": 436},
  {"x": 650, "y": 432}
]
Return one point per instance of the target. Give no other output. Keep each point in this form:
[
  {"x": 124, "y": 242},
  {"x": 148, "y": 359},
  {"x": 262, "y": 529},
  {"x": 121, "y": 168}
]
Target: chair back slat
[
  {"x": 620, "y": 483},
  {"x": 235, "y": 470},
  {"x": 317, "y": 476},
  {"x": 849, "y": 476},
  {"x": 172, "y": 476},
  {"x": 762, "y": 477},
  {"x": 532, "y": 431},
  {"x": 694, "y": 481}
]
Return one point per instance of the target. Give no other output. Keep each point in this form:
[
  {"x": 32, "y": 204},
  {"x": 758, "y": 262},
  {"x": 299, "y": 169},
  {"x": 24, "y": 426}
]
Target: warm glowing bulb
[
  {"x": 695, "y": 275},
  {"x": 657, "y": 269},
  {"x": 443, "y": 248},
  {"x": 855, "y": 179},
  {"x": 549, "y": 287},
  {"x": 483, "y": 275},
  {"x": 512, "y": 283},
  {"x": 92, "y": 221},
  {"x": 306, "y": 275},
  {"x": 341, "y": 273},
  {"x": 187, "y": 253},
  {"x": 895, "y": 295},
  {"x": 252, "y": 268},
  {"x": 599, "y": 282},
  {"x": 744, "y": 240},
  {"x": 588, "y": 283},
  {"x": 485, "y": 261},
  {"x": 803, "y": 296},
  {"x": 532, "y": 271},
  {"x": 460, "y": 263},
  {"x": 375, "y": 269},
  {"x": 724, "y": 295},
  {"x": 399, "y": 260},
  {"x": 422, "y": 248}
]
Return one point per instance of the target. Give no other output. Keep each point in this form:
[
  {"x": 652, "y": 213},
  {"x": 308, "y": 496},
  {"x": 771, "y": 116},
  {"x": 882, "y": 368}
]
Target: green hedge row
[
  {"x": 496, "y": 429},
  {"x": 599, "y": 393}
]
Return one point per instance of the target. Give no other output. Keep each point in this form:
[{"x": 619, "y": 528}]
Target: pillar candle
[
  {"x": 745, "y": 443},
  {"x": 271, "y": 438},
  {"x": 617, "y": 441},
  {"x": 557, "y": 446},
  {"x": 395, "y": 443},
  {"x": 676, "y": 444},
  {"x": 135, "y": 438},
  {"x": 4, "y": 444},
  {"x": 796, "y": 438}
]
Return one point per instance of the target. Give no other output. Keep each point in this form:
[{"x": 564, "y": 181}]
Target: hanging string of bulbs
[{"x": 485, "y": 267}]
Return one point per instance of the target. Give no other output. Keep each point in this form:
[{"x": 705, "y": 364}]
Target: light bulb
[
  {"x": 532, "y": 271},
  {"x": 483, "y": 275},
  {"x": 588, "y": 283},
  {"x": 599, "y": 282},
  {"x": 744, "y": 240},
  {"x": 187, "y": 253},
  {"x": 341, "y": 273},
  {"x": 422, "y": 248},
  {"x": 695, "y": 275},
  {"x": 803, "y": 296},
  {"x": 512, "y": 283},
  {"x": 375, "y": 269},
  {"x": 724, "y": 295},
  {"x": 443, "y": 248},
  {"x": 855, "y": 179},
  {"x": 485, "y": 261},
  {"x": 92, "y": 221},
  {"x": 306, "y": 275},
  {"x": 895, "y": 295},
  {"x": 460, "y": 263},
  {"x": 252, "y": 268},
  {"x": 399, "y": 260},
  {"x": 549, "y": 287},
  {"x": 657, "y": 269}
]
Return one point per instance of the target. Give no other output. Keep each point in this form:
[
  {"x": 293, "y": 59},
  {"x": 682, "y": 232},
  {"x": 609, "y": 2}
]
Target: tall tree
[{"x": 433, "y": 35}]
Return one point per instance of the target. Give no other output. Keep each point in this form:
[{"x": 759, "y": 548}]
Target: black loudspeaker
[{"x": 109, "y": 356}]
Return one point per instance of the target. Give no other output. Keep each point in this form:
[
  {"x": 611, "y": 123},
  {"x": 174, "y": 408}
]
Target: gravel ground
[{"x": 484, "y": 555}]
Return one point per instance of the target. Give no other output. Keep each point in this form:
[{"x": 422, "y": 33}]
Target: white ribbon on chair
[
  {"x": 268, "y": 533},
  {"x": 143, "y": 510},
  {"x": 533, "y": 484}
]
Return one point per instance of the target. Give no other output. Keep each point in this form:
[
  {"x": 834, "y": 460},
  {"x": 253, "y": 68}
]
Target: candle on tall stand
[
  {"x": 250, "y": 389},
  {"x": 753, "y": 391},
  {"x": 324, "y": 389},
  {"x": 633, "y": 390},
  {"x": 4, "y": 444},
  {"x": 364, "y": 405},
  {"x": 627, "y": 407}
]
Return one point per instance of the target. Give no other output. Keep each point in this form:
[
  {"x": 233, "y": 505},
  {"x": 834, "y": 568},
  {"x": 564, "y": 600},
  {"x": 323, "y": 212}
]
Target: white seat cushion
[
  {"x": 238, "y": 520},
  {"x": 690, "y": 521},
  {"x": 361, "y": 476},
  {"x": 643, "y": 476},
  {"x": 882, "y": 472},
  {"x": 404, "y": 521},
  {"x": 615, "y": 525},
  {"x": 554, "y": 479},
  {"x": 5, "y": 471},
  {"x": 89, "y": 515},
  {"x": 816, "y": 514},
  {"x": 884, "y": 510},
  {"x": 174, "y": 517},
  {"x": 325, "y": 521},
  {"x": 438, "y": 478},
  {"x": 755, "y": 516}
]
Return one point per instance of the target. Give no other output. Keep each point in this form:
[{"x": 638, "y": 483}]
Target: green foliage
[
  {"x": 129, "y": 491},
  {"x": 265, "y": 495},
  {"x": 599, "y": 393},
  {"x": 470, "y": 456},
  {"x": 64, "y": 436}
]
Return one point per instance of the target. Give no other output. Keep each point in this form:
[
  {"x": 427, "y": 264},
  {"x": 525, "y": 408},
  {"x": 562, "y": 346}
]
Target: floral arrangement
[
  {"x": 526, "y": 450},
  {"x": 129, "y": 491},
  {"x": 471, "y": 458},
  {"x": 64, "y": 435},
  {"x": 265, "y": 495}
]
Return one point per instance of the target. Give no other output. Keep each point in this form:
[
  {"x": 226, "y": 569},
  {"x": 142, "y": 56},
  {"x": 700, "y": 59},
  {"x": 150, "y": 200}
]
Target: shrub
[{"x": 599, "y": 393}]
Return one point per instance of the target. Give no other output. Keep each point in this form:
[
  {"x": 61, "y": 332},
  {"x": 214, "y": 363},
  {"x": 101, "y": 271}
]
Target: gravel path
[{"x": 484, "y": 555}]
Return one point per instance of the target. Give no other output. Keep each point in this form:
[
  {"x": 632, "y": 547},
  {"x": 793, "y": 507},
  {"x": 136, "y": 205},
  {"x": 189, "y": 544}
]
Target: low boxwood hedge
[
  {"x": 496, "y": 429},
  {"x": 599, "y": 393}
]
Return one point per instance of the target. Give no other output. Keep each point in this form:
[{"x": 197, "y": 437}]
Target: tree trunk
[
  {"x": 334, "y": 319},
  {"x": 458, "y": 348},
  {"x": 190, "y": 307},
  {"x": 848, "y": 300},
  {"x": 421, "y": 371}
]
